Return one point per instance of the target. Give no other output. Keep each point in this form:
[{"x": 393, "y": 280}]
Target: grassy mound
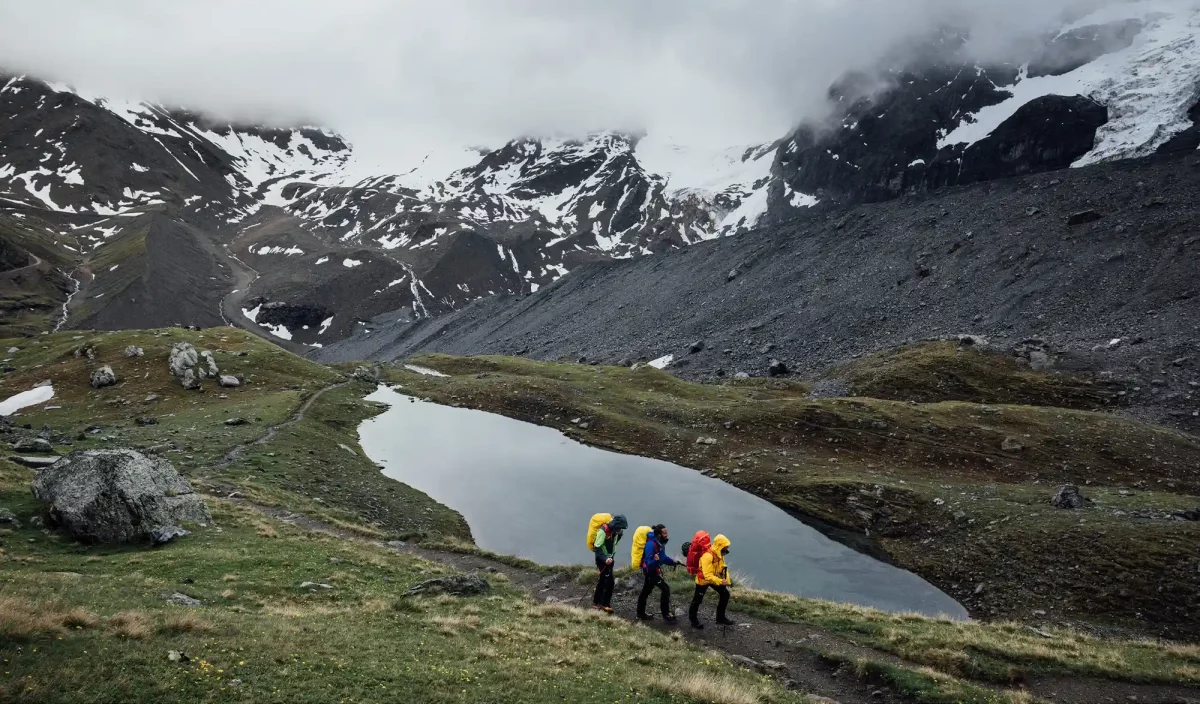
[{"x": 946, "y": 371}]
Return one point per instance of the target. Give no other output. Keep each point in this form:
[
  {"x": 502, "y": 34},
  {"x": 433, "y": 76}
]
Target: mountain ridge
[{"x": 306, "y": 229}]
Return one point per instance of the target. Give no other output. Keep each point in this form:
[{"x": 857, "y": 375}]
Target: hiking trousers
[
  {"x": 722, "y": 602},
  {"x": 654, "y": 579},
  {"x": 604, "y": 583}
]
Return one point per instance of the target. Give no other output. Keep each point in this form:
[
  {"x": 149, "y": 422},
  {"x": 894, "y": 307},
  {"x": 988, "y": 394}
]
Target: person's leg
[
  {"x": 722, "y": 602},
  {"x": 694, "y": 609},
  {"x": 651, "y": 577},
  {"x": 599, "y": 582},
  {"x": 664, "y": 600},
  {"x": 607, "y": 583}
]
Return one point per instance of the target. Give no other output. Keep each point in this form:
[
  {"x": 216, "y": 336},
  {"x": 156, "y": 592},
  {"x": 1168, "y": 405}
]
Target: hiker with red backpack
[
  {"x": 604, "y": 532},
  {"x": 706, "y": 562},
  {"x": 654, "y": 556}
]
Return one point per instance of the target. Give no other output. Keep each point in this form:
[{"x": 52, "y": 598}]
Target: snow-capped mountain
[
  {"x": 1115, "y": 84},
  {"x": 324, "y": 245},
  {"x": 162, "y": 216}
]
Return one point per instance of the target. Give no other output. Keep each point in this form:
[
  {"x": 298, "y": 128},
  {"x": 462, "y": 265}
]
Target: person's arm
[{"x": 706, "y": 569}]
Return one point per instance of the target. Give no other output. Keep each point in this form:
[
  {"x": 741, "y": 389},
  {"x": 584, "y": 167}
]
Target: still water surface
[{"x": 529, "y": 491}]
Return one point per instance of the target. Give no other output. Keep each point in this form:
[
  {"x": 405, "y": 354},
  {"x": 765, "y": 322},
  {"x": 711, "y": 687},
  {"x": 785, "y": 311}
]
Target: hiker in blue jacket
[{"x": 653, "y": 558}]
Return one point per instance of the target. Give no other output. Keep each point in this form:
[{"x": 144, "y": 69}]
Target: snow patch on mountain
[{"x": 1147, "y": 87}]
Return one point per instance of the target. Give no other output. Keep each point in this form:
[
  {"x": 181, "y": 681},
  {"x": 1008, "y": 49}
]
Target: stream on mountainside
[{"x": 528, "y": 490}]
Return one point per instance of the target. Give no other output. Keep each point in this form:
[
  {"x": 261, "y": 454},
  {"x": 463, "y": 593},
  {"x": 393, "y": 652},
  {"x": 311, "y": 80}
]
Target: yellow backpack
[
  {"x": 639, "y": 546},
  {"x": 598, "y": 520}
]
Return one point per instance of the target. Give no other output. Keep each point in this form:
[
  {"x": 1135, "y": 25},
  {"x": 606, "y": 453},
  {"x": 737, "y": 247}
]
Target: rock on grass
[{"x": 114, "y": 496}]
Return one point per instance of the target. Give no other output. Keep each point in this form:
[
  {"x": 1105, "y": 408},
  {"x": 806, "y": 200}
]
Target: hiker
[
  {"x": 604, "y": 533},
  {"x": 713, "y": 573},
  {"x": 654, "y": 556}
]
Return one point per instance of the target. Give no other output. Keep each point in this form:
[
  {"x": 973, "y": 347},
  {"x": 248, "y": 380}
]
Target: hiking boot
[
  {"x": 669, "y": 618},
  {"x": 607, "y": 609},
  {"x": 725, "y": 622},
  {"x": 645, "y": 617},
  {"x": 697, "y": 624},
  {"x": 597, "y": 607}
]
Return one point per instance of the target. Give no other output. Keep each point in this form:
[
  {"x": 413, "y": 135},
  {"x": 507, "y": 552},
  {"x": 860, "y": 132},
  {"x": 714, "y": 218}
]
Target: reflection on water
[{"x": 529, "y": 491}]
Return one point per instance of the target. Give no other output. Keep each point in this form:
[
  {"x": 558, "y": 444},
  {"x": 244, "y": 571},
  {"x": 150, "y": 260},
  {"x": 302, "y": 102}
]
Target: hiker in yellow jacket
[{"x": 713, "y": 573}]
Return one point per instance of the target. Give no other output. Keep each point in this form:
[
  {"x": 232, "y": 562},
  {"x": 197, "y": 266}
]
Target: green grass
[
  {"x": 999, "y": 652},
  {"x": 90, "y": 624},
  {"x": 929, "y": 483},
  {"x": 458, "y": 546},
  {"x": 303, "y": 468},
  {"x": 925, "y": 685}
]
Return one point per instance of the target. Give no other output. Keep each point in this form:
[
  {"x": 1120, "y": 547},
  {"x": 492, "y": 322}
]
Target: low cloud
[{"x": 404, "y": 72}]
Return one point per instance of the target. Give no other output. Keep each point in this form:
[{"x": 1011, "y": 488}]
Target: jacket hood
[
  {"x": 720, "y": 543},
  {"x": 619, "y": 522}
]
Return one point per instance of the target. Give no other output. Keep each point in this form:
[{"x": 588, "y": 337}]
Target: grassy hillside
[
  {"x": 303, "y": 466},
  {"x": 87, "y": 624},
  {"x": 301, "y": 600},
  {"x": 956, "y": 491}
]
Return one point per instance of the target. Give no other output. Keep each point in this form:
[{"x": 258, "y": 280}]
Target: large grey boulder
[
  {"x": 134, "y": 351},
  {"x": 113, "y": 496},
  {"x": 190, "y": 367},
  {"x": 104, "y": 376},
  {"x": 229, "y": 382}
]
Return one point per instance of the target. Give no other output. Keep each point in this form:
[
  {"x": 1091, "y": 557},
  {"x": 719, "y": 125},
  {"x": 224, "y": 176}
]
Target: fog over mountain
[{"x": 395, "y": 77}]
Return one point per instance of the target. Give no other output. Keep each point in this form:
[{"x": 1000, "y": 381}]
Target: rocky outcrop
[
  {"x": 114, "y": 496},
  {"x": 104, "y": 376},
  {"x": 1068, "y": 497},
  {"x": 33, "y": 445},
  {"x": 190, "y": 367},
  {"x": 293, "y": 316}
]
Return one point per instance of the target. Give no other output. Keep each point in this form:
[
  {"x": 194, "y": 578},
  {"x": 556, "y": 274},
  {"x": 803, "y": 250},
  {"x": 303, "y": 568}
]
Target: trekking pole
[{"x": 598, "y": 576}]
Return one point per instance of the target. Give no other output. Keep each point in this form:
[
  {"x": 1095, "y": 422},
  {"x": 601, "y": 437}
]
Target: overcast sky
[{"x": 391, "y": 73}]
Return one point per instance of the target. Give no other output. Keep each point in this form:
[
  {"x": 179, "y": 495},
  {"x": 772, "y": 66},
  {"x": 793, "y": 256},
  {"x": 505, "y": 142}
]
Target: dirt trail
[
  {"x": 13, "y": 273},
  {"x": 273, "y": 430},
  {"x": 230, "y": 307}
]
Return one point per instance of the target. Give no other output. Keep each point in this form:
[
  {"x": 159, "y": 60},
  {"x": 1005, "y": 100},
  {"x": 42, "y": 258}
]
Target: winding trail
[
  {"x": 230, "y": 306},
  {"x": 13, "y": 273},
  {"x": 235, "y": 454}
]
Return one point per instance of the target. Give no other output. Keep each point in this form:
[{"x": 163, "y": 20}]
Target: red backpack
[{"x": 699, "y": 545}]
